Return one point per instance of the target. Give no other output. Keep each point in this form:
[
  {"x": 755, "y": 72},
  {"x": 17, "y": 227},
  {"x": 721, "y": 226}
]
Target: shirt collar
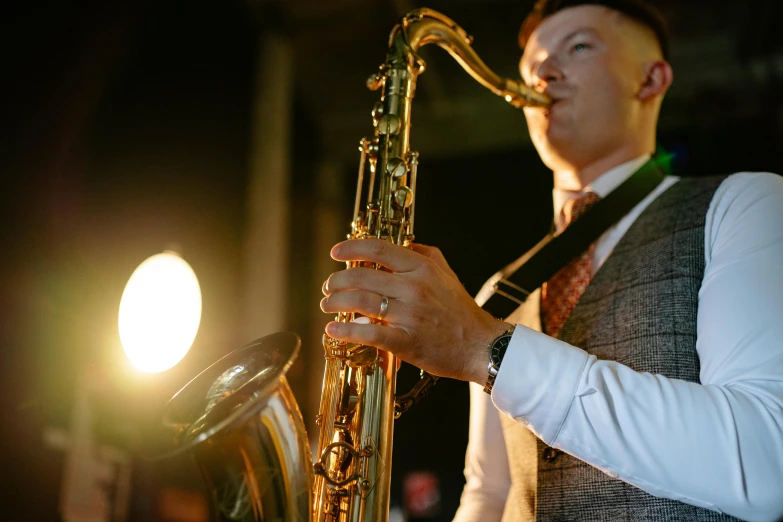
[{"x": 603, "y": 185}]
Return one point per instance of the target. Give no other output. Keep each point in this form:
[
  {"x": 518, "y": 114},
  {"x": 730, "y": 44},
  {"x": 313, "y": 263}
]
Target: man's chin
[{"x": 553, "y": 142}]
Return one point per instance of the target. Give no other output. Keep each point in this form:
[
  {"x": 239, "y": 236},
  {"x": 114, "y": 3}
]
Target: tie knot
[{"x": 575, "y": 207}]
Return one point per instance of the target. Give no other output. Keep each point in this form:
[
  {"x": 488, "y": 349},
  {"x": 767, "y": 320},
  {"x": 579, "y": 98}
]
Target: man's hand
[{"x": 431, "y": 321}]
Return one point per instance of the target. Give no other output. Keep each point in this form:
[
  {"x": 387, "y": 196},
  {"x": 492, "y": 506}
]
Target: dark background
[{"x": 126, "y": 130}]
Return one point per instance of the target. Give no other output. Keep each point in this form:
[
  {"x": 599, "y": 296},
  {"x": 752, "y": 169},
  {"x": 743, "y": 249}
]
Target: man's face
[{"x": 585, "y": 58}]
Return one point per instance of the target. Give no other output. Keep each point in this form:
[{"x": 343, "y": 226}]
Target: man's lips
[
  {"x": 558, "y": 95},
  {"x": 557, "y": 99},
  {"x": 554, "y": 103}
]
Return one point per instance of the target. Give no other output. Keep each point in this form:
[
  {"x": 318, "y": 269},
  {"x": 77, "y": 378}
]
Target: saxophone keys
[
  {"x": 376, "y": 80},
  {"x": 388, "y": 124},
  {"x": 396, "y": 167},
  {"x": 377, "y": 112},
  {"x": 403, "y": 197}
]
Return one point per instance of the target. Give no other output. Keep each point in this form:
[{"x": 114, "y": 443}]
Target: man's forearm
[{"x": 712, "y": 446}]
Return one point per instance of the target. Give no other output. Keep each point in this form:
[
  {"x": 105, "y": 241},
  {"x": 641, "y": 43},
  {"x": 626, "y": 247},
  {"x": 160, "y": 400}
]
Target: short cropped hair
[{"x": 637, "y": 10}]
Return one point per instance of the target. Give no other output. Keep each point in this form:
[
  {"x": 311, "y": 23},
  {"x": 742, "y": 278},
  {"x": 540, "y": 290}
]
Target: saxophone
[{"x": 239, "y": 417}]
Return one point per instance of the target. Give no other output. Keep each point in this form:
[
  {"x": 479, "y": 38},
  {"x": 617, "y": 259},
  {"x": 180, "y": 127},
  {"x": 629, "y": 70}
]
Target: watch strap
[{"x": 492, "y": 370}]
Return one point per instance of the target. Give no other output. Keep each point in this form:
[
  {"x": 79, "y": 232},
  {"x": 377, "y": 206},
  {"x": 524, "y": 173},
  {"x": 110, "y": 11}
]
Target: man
[{"x": 659, "y": 394}]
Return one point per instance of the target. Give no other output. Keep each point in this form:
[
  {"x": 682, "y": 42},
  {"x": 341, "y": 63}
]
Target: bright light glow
[{"x": 160, "y": 312}]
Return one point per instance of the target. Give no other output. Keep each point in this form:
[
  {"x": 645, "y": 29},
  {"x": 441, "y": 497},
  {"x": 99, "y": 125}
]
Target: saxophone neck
[{"x": 423, "y": 27}]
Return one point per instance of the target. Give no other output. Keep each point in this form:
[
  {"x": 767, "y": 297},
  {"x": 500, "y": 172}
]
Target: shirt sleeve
[
  {"x": 716, "y": 444},
  {"x": 487, "y": 478}
]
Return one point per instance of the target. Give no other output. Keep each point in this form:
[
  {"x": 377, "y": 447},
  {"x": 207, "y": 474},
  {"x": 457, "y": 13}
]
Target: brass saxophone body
[
  {"x": 358, "y": 407},
  {"x": 239, "y": 417}
]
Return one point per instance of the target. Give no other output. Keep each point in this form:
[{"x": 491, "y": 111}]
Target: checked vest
[{"x": 639, "y": 310}]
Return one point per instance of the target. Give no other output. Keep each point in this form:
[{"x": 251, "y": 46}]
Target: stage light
[{"x": 160, "y": 312}]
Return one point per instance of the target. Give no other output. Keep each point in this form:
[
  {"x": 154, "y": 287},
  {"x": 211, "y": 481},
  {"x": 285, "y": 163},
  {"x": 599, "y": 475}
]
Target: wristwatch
[{"x": 497, "y": 349}]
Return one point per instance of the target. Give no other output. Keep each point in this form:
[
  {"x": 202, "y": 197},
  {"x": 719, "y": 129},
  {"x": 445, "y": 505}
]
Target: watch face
[{"x": 498, "y": 350}]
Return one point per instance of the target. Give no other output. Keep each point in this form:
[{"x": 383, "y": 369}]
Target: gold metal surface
[{"x": 241, "y": 422}]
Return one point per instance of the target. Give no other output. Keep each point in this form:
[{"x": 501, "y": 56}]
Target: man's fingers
[
  {"x": 395, "y": 257},
  {"x": 370, "y": 279},
  {"x": 359, "y": 301},
  {"x": 434, "y": 254},
  {"x": 383, "y": 337},
  {"x": 426, "y": 250}
]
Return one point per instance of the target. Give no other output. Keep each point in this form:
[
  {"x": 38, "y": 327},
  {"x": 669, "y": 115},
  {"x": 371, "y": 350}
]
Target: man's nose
[{"x": 549, "y": 71}]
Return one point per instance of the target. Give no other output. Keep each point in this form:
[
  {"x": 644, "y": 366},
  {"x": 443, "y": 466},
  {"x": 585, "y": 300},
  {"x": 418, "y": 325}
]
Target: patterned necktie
[{"x": 560, "y": 294}]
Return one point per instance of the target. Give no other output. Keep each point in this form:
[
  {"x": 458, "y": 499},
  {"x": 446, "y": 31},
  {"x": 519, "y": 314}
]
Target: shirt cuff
[{"x": 537, "y": 381}]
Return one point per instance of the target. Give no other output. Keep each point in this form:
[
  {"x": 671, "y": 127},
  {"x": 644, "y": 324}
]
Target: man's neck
[{"x": 575, "y": 179}]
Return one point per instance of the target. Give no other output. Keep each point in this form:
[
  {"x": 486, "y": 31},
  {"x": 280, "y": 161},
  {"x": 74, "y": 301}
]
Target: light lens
[{"x": 160, "y": 312}]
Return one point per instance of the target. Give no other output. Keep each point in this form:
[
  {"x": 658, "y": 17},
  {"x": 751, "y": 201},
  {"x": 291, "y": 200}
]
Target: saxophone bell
[{"x": 242, "y": 424}]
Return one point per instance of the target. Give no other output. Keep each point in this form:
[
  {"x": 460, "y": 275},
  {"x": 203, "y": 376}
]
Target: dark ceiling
[{"x": 725, "y": 55}]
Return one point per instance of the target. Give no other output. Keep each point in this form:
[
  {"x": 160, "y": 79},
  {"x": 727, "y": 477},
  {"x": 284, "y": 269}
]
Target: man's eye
[{"x": 579, "y": 47}]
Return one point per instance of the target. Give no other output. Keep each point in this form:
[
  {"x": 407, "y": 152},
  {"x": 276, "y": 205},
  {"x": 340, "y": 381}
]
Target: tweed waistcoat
[{"x": 639, "y": 310}]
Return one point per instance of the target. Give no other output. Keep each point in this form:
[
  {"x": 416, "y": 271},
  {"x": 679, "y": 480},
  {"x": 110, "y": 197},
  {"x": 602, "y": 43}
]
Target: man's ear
[{"x": 658, "y": 76}]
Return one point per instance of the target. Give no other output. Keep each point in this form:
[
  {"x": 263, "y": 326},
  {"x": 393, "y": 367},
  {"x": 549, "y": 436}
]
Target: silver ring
[{"x": 384, "y": 307}]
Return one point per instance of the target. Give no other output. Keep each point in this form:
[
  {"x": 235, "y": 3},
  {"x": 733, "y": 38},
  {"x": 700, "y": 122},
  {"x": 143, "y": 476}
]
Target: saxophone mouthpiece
[{"x": 519, "y": 94}]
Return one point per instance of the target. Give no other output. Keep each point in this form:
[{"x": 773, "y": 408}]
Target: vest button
[{"x": 550, "y": 454}]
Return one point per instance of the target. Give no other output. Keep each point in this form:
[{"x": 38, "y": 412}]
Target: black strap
[{"x": 514, "y": 283}]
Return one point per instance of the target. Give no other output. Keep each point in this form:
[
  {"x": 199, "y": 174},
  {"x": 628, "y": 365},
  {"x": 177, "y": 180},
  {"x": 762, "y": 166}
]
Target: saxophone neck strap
[{"x": 511, "y": 286}]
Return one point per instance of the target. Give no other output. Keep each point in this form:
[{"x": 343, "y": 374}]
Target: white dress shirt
[{"x": 717, "y": 444}]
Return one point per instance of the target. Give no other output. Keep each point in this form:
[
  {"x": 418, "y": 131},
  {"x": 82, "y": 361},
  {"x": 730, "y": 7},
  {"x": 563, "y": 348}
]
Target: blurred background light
[{"x": 160, "y": 312}]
